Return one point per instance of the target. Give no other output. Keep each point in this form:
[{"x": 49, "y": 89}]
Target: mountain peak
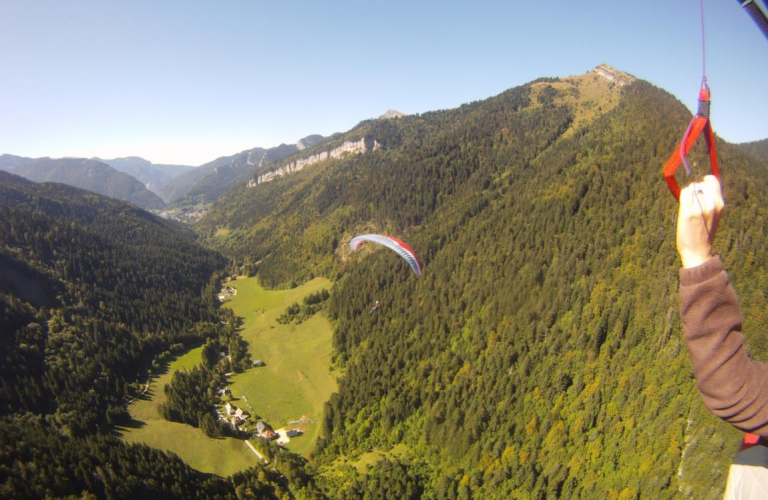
[
  {"x": 588, "y": 95},
  {"x": 391, "y": 113},
  {"x": 613, "y": 75}
]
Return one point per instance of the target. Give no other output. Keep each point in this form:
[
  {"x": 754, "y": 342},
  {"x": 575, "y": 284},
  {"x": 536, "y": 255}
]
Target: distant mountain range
[
  {"x": 155, "y": 177},
  {"x": 149, "y": 185},
  {"x": 207, "y": 182},
  {"x": 92, "y": 175}
]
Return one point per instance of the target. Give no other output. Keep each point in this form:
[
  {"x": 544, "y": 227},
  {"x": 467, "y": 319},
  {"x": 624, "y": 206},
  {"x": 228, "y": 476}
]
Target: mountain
[
  {"x": 391, "y": 113},
  {"x": 207, "y": 182},
  {"x": 154, "y": 176},
  {"x": 758, "y": 149},
  {"x": 94, "y": 293},
  {"x": 540, "y": 353},
  {"x": 86, "y": 174}
]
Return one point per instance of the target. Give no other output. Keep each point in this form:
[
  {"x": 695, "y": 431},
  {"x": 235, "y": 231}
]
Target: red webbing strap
[
  {"x": 751, "y": 440},
  {"x": 700, "y": 123}
]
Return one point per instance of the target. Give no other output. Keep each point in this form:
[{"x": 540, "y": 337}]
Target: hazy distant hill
[
  {"x": 207, "y": 182},
  {"x": 154, "y": 176},
  {"x": 539, "y": 354},
  {"x": 86, "y": 174},
  {"x": 758, "y": 149}
]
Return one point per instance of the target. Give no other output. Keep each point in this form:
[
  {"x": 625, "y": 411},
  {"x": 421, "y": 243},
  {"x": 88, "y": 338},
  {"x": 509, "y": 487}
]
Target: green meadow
[
  {"x": 296, "y": 381},
  {"x": 219, "y": 456},
  {"x": 293, "y": 386}
]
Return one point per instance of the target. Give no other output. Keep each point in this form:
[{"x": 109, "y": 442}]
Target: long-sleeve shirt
[{"x": 732, "y": 387}]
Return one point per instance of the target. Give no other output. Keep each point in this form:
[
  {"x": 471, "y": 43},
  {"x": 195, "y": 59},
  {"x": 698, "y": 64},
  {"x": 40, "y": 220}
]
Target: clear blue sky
[{"x": 187, "y": 81}]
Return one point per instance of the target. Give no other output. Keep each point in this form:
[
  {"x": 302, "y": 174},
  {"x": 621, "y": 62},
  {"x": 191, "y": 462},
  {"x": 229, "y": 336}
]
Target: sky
[{"x": 185, "y": 82}]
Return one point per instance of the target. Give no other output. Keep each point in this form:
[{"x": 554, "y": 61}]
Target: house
[
  {"x": 269, "y": 435},
  {"x": 293, "y": 432},
  {"x": 230, "y": 408},
  {"x": 265, "y": 431},
  {"x": 239, "y": 413}
]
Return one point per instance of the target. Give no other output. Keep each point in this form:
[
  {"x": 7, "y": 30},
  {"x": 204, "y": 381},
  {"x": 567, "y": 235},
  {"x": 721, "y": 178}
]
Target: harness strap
[
  {"x": 699, "y": 124},
  {"x": 751, "y": 440}
]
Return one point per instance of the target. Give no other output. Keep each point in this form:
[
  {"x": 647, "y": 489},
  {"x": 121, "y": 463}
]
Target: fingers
[
  {"x": 704, "y": 196},
  {"x": 701, "y": 204}
]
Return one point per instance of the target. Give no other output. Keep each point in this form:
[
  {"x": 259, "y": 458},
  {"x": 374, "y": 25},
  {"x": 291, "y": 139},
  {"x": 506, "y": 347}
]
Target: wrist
[{"x": 694, "y": 259}]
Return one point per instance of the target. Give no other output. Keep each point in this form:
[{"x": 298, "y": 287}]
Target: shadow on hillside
[{"x": 119, "y": 430}]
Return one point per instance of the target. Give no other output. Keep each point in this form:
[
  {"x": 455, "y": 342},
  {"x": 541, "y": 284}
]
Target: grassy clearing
[
  {"x": 218, "y": 456},
  {"x": 295, "y": 383},
  {"x": 296, "y": 380},
  {"x": 368, "y": 460},
  {"x": 342, "y": 466}
]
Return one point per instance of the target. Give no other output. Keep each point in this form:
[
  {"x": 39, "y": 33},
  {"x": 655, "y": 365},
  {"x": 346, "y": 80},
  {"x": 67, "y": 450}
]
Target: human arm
[{"x": 731, "y": 386}]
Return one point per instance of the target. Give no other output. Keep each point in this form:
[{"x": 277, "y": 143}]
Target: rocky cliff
[{"x": 362, "y": 146}]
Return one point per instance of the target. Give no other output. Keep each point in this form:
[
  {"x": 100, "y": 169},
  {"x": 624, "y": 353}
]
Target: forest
[
  {"x": 95, "y": 293},
  {"x": 540, "y": 353}
]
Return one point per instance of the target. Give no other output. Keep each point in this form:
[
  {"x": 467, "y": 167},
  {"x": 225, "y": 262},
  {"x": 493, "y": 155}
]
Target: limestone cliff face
[
  {"x": 614, "y": 75},
  {"x": 362, "y": 146}
]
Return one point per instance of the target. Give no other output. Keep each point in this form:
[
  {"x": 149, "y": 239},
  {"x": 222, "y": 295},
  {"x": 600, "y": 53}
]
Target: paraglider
[{"x": 402, "y": 249}]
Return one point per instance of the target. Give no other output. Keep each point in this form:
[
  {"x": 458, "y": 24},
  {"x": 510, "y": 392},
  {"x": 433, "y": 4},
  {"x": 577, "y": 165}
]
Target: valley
[
  {"x": 289, "y": 390},
  {"x": 216, "y": 456},
  {"x": 538, "y": 354}
]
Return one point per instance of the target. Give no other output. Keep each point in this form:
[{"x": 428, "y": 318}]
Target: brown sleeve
[{"x": 732, "y": 387}]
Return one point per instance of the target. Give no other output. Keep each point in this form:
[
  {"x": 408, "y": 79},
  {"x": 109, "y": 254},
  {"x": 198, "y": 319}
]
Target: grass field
[
  {"x": 219, "y": 456},
  {"x": 295, "y": 382}
]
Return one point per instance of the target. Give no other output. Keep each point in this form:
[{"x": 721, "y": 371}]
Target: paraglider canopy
[{"x": 402, "y": 249}]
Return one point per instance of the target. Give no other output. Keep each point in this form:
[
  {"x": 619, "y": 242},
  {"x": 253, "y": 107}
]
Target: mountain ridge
[
  {"x": 541, "y": 343},
  {"x": 87, "y": 174}
]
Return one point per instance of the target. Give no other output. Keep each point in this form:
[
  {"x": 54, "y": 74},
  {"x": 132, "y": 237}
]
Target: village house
[
  {"x": 242, "y": 415},
  {"x": 265, "y": 431}
]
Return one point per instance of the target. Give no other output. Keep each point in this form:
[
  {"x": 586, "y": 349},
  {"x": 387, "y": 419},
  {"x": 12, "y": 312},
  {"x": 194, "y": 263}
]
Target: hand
[{"x": 701, "y": 205}]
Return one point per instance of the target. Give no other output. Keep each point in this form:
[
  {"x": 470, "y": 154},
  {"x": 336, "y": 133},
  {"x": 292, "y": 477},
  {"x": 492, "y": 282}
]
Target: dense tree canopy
[
  {"x": 539, "y": 355},
  {"x": 540, "y": 352},
  {"x": 93, "y": 294}
]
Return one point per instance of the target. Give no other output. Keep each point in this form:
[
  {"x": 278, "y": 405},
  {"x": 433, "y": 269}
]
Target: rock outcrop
[
  {"x": 362, "y": 146},
  {"x": 613, "y": 75}
]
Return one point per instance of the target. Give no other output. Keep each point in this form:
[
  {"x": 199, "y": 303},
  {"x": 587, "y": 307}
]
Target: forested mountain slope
[
  {"x": 540, "y": 354},
  {"x": 93, "y": 293},
  {"x": 92, "y": 175},
  {"x": 758, "y": 149}
]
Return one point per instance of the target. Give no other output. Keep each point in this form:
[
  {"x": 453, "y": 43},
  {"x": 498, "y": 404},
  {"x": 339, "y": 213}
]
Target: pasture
[
  {"x": 296, "y": 381},
  {"x": 293, "y": 386}
]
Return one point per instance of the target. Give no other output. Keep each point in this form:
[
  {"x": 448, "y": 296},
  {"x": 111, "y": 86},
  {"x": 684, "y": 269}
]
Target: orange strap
[{"x": 700, "y": 123}]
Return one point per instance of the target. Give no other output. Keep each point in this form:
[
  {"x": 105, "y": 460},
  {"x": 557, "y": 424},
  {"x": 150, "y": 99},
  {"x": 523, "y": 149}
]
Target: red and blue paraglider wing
[{"x": 402, "y": 249}]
